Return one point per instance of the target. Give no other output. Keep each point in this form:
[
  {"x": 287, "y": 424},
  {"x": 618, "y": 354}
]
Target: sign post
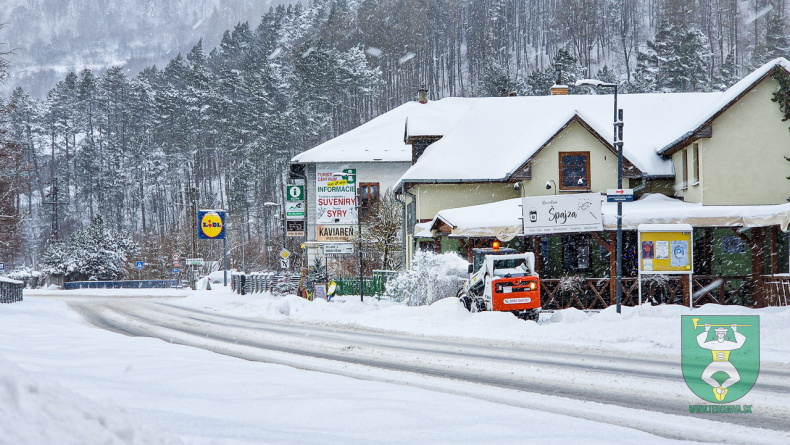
[{"x": 666, "y": 249}]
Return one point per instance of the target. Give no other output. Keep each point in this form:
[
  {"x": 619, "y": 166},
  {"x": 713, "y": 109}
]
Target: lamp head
[{"x": 548, "y": 185}]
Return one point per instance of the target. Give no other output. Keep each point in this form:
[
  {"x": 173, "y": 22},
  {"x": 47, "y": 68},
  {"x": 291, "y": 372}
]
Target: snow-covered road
[{"x": 643, "y": 390}]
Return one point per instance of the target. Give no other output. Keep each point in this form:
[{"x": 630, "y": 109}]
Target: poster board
[{"x": 666, "y": 249}]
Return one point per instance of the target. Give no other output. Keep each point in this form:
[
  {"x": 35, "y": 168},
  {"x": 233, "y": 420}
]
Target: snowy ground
[{"x": 63, "y": 381}]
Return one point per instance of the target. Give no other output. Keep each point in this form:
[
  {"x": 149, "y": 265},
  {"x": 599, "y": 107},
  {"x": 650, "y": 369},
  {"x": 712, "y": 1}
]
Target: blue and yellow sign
[{"x": 211, "y": 224}]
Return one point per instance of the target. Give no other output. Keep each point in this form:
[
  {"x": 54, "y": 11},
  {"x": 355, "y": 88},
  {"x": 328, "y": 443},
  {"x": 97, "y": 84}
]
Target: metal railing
[
  {"x": 126, "y": 284},
  {"x": 280, "y": 284},
  {"x": 11, "y": 291},
  {"x": 372, "y": 286}
]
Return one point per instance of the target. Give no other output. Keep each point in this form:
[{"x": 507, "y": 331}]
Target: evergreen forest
[{"x": 216, "y": 127}]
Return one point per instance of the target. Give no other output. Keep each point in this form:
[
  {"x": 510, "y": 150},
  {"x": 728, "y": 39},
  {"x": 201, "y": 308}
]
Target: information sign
[
  {"x": 140, "y": 264},
  {"x": 619, "y": 195},
  {"x": 665, "y": 248},
  {"x": 338, "y": 248},
  {"x": 176, "y": 271},
  {"x": 336, "y": 194},
  {"x": 336, "y": 233},
  {"x": 294, "y": 202},
  {"x": 295, "y": 227},
  {"x": 579, "y": 212}
]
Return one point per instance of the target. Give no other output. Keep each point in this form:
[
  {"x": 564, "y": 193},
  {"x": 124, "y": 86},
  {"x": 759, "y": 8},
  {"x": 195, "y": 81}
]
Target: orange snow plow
[{"x": 502, "y": 280}]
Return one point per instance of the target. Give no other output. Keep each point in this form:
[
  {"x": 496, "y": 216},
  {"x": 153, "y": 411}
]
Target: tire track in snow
[{"x": 570, "y": 373}]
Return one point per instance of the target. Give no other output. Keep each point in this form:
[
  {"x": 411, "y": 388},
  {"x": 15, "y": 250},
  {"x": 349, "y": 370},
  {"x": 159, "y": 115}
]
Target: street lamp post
[
  {"x": 282, "y": 218},
  {"x": 618, "y": 145}
]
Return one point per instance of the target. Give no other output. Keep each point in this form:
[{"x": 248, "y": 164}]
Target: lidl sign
[{"x": 211, "y": 224}]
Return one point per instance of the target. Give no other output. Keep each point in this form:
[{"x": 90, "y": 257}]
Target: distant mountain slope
[{"x": 52, "y": 37}]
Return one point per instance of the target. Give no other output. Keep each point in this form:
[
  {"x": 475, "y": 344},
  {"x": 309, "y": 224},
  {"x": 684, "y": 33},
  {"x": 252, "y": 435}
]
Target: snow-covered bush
[
  {"x": 95, "y": 253},
  {"x": 33, "y": 279},
  {"x": 431, "y": 278}
]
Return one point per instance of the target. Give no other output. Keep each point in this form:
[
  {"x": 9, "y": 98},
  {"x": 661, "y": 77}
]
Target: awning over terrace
[{"x": 503, "y": 219}]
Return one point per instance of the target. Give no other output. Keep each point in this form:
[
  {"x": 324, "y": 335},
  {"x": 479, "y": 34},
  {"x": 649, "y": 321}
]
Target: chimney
[
  {"x": 558, "y": 89},
  {"x": 422, "y": 95}
]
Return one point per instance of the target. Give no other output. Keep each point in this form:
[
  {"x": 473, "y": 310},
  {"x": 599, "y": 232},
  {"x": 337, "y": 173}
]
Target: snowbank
[
  {"x": 644, "y": 329},
  {"x": 33, "y": 411}
]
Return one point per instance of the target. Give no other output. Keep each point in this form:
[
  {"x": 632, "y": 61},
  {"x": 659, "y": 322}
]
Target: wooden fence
[{"x": 594, "y": 293}]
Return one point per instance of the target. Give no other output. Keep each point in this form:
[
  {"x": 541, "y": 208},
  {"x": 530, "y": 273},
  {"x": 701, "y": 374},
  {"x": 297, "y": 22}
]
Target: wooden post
[
  {"x": 610, "y": 247},
  {"x": 538, "y": 250},
  {"x": 756, "y": 249},
  {"x": 774, "y": 251}
]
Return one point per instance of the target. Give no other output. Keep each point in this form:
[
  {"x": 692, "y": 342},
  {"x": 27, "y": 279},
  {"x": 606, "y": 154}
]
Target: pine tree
[
  {"x": 776, "y": 42},
  {"x": 94, "y": 253},
  {"x": 677, "y": 61}
]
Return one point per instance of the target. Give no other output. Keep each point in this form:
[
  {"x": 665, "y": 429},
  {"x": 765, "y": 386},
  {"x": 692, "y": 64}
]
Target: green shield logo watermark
[{"x": 720, "y": 355}]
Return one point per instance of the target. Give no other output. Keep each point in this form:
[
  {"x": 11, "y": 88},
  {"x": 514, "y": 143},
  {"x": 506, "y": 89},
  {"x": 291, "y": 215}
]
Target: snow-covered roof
[
  {"x": 499, "y": 219},
  {"x": 488, "y": 139},
  {"x": 382, "y": 139},
  {"x": 499, "y": 134},
  {"x": 725, "y": 99}
]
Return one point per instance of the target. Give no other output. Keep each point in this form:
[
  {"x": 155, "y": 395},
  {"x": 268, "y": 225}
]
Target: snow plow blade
[{"x": 515, "y": 294}]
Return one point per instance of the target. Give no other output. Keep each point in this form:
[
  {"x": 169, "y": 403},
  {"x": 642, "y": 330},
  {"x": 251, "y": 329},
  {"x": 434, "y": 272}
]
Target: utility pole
[{"x": 193, "y": 210}]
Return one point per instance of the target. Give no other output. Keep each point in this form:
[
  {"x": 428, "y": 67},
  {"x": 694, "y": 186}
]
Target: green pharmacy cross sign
[{"x": 720, "y": 355}]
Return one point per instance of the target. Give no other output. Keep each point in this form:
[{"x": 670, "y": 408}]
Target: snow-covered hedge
[
  {"x": 33, "y": 279},
  {"x": 431, "y": 278}
]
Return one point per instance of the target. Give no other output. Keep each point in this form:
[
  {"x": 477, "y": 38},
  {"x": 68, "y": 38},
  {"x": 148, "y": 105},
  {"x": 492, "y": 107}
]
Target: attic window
[{"x": 575, "y": 170}]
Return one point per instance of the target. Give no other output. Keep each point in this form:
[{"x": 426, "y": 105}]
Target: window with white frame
[{"x": 695, "y": 164}]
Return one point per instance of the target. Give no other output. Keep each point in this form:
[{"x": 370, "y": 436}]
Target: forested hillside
[{"x": 215, "y": 127}]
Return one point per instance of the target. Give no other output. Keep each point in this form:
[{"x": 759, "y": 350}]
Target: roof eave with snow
[{"x": 732, "y": 95}]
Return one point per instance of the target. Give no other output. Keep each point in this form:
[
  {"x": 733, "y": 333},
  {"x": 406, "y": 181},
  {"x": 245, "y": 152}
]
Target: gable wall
[
  {"x": 743, "y": 163},
  {"x": 546, "y": 164},
  {"x": 432, "y": 198}
]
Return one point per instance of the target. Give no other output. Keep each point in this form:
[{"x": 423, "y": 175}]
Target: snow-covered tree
[
  {"x": 381, "y": 230},
  {"x": 496, "y": 80},
  {"x": 94, "y": 253},
  {"x": 431, "y": 278},
  {"x": 776, "y": 42},
  {"x": 676, "y": 61}
]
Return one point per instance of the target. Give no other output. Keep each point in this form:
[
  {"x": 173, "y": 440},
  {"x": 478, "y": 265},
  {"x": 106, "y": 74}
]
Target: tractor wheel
[
  {"x": 478, "y": 305},
  {"x": 467, "y": 302}
]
